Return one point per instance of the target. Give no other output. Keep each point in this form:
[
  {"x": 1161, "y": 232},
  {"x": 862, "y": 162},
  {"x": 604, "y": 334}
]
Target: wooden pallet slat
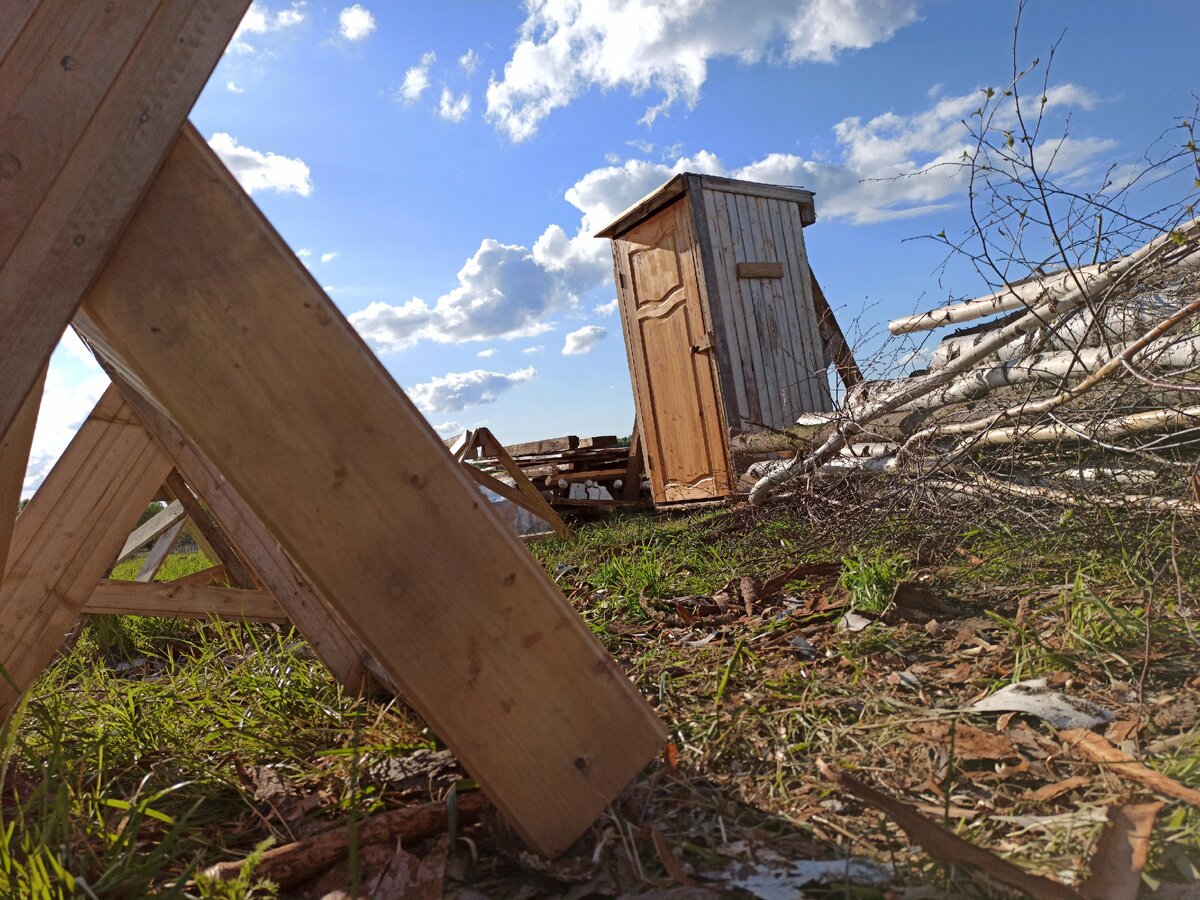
[
  {"x": 14, "y": 458},
  {"x": 183, "y": 599}
]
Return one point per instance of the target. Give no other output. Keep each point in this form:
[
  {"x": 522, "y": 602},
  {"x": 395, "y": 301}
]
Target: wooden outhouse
[{"x": 725, "y": 328}]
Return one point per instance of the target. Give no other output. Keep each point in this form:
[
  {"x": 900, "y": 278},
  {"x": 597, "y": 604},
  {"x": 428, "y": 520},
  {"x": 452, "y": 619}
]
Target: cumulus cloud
[
  {"x": 469, "y": 61},
  {"x": 606, "y": 309},
  {"x": 355, "y": 22},
  {"x": 329, "y": 257},
  {"x": 456, "y": 391},
  {"x": 536, "y": 348},
  {"x": 454, "y": 109},
  {"x": 484, "y": 354},
  {"x": 233, "y": 88},
  {"x": 416, "y": 79},
  {"x": 502, "y": 293},
  {"x": 260, "y": 19},
  {"x": 448, "y": 429},
  {"x": 564, "y": 49},
  {"x": 508, "y": 291},
  {"x": 582, "y": 340},
  {"x": 257, "y": 171}
]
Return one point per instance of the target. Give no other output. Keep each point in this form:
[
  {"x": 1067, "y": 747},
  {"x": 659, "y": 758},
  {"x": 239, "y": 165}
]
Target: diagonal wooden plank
[
  {"x": 164, "y": 519},
  {"x": 67, "y": 537},
  {"x": 182, "y": 599},
  {"x": 533, "y": 499},
  {"x": 321, "y": 626},
  {"x": 160, "y": 550},
  {"x": 219, "y": 549},
  {"x": 309, "y": 428},
  {"x": 14, "y": 459},
  {"x": 91, "y": 97}
]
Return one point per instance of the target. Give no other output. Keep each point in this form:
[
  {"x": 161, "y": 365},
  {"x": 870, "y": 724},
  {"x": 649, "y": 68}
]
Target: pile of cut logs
[{"x": 1087, "y": 374}]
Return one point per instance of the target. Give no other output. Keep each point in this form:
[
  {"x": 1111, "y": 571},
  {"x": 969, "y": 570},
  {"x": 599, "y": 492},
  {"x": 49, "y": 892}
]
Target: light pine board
[
  {"x": 14, "y": 457},
  {"x": 312, "y": 432},
  {"x": 91, "y": 97},
  {"x": 183, "y": 599},
  {"x": 68, "y": 536}
]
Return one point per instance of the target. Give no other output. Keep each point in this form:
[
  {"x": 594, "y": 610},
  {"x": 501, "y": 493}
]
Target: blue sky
[{"x": 440, "y": 166}]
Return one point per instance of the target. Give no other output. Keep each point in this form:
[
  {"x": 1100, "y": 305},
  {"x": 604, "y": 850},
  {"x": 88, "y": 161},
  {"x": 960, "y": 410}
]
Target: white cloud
[
  {"x": 259, "y": 19},
  {"x": 304, "y": 253},
  {"x": 71, "y": 392},
  {"x": 262, "y": 171},
  {"x": 469, "y": 61},
  {"x": 508, "y": 291},
  {"x": 606, "y": 309},
  {"x": 536, "y": 348},
  {"x": 455, "y": 391},
  {"x": 355, "y": 22},
  {"x": 416, "y": 79},
  {"x": 484, "y": 354},
  {"x": 454, "y": 109},
  {"x": 566, "y": 48},
  {"x": 502, "y": 293},
  {"x": 448, "y": 429},
  {"x": 329, "y": 257},
  {"x": 582, "y": 340},
  {"x": 233, "y": 88}
]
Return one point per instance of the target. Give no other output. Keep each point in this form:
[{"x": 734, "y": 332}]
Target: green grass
[{"x": 126, "y": 770}]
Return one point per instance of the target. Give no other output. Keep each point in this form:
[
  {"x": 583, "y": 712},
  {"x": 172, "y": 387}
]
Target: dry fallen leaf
[
  {"x": 968, "y": 742},
  {"x": 1121, "y": 852},
  {"x": 1048, "y": 792}
]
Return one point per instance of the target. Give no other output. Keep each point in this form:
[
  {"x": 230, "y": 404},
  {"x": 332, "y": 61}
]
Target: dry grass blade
[
  {"x": 949, "y": 848},
  {"x": 1099, "y": 750},
  {"x": 1121, "y": 852}
]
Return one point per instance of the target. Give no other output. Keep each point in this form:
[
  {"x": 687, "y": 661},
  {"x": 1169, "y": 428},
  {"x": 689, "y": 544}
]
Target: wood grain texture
[
  {"x": 183, "y": 600},
  {"x": 321, "y": 626},
  {"x": 69, "y": 534},
  {"x": 671, "y": 364},
  {"x": 219, "y": 548},
  {"x": 91, "y": 97},
  {"x": 14, "y": 459},
  {"x": 313, "y": 433}
]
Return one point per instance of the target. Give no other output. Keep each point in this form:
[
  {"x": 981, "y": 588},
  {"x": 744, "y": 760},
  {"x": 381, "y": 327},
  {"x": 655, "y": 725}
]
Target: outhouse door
[{"x": 671, "y": 358}]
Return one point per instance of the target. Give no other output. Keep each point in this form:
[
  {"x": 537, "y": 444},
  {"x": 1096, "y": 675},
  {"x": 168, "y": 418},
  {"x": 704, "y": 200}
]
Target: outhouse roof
[{"x": 679, "y": 185}]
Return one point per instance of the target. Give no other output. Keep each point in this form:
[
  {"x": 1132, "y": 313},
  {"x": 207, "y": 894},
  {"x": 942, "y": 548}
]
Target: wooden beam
[
  {"x": 324, "y": 630},
  {"x": 835, "y": 340},
  {"x": 534, "y": 501},
  {"x": 632, "y": 488},
  {"x": 14, "y": 459},
  {"x": 547, "y": 445},
  {"x": 159, "y": 552},
  {"x": 164, "y": 519},
  {"x": 760, "y": 270},
  {"x": 183, "y": 600},
  {"x": 91, "y": 98},
  {"x": 221, "y": 550},
  {"x": 68, "y": 536},
  {"x": 349, "y": 477}
]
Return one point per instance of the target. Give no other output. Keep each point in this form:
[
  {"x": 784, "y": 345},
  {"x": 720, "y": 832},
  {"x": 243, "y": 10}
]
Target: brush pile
[{"x": 1078, "y": 384}]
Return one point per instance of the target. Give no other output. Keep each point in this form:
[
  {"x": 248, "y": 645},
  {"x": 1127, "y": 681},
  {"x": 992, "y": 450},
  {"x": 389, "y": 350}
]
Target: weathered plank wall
[{"x": 772, "y": 356}]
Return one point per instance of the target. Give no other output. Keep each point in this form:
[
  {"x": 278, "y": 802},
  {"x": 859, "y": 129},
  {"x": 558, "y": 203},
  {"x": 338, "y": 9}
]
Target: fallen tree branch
[{"x": 299, "y": 861}]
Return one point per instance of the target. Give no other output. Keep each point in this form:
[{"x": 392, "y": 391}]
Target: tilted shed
[{"x": 722, "y": 329}]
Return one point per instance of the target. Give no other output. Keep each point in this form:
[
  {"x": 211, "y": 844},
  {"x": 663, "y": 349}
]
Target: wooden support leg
[
  {"x": 533, "y": 499},
  {"x": 68, "y": 535},
  {"x": 324, "y": 630},
  {"x": 219, "y": 549},
  {"x": 162, "y": 521},
  {"x": 309, "y": 428},
  {"x": 183, "y": 598},
  {"x": 631, "y": 487},
  {"x": 159, "y": 552},
  {"x": 835, "y": 340},
  {"x": 91, "y": 97},
  {"x": 14, "y": 458}
]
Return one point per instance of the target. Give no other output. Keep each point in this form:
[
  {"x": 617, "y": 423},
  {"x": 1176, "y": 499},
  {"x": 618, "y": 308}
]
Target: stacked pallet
[{"x": 571, "y": 471}]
